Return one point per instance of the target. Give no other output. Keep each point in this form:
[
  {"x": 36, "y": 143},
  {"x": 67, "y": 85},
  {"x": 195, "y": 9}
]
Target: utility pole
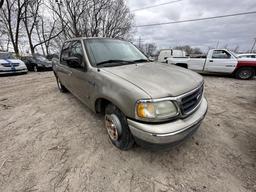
[
  {"x": 140, "y": 41},
  {"x": 253, "y": 45},
  {"x": 217, "y": 46}
]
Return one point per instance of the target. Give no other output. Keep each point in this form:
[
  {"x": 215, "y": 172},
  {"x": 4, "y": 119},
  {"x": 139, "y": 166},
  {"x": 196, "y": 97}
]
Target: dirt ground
[{"x": 50, "y": 141}]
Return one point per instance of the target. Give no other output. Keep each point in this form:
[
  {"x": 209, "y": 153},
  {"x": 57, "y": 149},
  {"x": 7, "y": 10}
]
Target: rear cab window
[{"x": 220, "y": 54}]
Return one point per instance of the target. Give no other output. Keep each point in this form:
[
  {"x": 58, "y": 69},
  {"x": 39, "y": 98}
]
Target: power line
[
  {"x": 157, "y": 5},
  {"x": 199, "y": 19}
]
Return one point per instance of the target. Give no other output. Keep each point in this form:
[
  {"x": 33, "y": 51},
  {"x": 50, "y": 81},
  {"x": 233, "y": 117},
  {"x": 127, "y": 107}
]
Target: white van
[{"x": 169, "y": 53}]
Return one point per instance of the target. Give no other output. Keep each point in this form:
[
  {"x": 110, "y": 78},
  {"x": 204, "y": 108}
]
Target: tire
[
  {"x": 245, "y": 73},
  {"x": 35, "y": 68},
  {"x": 119, "y": 133},
  {"x": 61, "y": 87}
]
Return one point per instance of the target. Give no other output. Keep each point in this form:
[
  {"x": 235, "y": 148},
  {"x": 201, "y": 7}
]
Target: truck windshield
[{"x": 111, "y": 52}]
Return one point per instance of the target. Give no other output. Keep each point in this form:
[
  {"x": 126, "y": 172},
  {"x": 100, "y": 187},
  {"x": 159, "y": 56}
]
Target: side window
[
  {"x": 72, "y": 49},
  {"x": 220, "y": 54},
  {"x": 76, "y": 50},
  {"x": 64, "y": 53}
]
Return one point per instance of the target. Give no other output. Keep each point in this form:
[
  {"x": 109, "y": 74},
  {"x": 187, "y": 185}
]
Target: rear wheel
[
  {"x": 61, "y": 87},
  {"x": 245, "y": 73},
  {"x": 35, "y": 68},
  {"x": 117, "y": 128}
]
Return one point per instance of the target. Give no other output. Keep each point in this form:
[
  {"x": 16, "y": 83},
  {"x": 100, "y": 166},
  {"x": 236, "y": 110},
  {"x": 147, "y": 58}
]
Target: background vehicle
[
  {"x": 247, "y": 55},
  {"x": 218, "y": 61},
  {"x": 167, "y": 53},
  {"x": 9, "y": 64},
  {"x": 143, "y": 101},
  {"x": 37, "y": 62}
]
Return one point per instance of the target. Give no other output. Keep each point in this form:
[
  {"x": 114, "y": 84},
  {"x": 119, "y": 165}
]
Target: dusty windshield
[{"x": 116, "y": 52}]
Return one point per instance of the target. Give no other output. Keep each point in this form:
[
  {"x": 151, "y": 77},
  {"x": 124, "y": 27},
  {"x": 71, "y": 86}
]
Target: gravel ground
[{"x": 50, "y": 141}]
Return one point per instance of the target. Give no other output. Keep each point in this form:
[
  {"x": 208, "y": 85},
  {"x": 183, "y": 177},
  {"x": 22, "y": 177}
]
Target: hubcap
[
  {"x": 113, "y": 126},
  {"x": 245, "y": 74}
]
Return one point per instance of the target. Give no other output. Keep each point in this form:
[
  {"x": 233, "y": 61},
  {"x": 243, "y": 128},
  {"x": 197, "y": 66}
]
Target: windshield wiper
[
  {"x": 121, "y": 61},
  {"x": 139, "y": 61},
  {"x": 112, "y": 61}
]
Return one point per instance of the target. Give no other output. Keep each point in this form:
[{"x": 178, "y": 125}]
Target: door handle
[{"x": 211, "y": 60}]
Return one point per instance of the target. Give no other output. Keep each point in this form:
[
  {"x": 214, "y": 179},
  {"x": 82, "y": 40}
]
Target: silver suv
[{"x": 143, "y": 101}]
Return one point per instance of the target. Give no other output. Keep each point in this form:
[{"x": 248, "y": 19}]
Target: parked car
[
  {"x": 143, "y": 101},
  {"x": 9, "y": 64},
  {"x": 247, "y": 55},
  {"x": 55, "y": 59},
  {"x": 218, "y": 61},
  {"x": 51, "y": 56},
  {"x": 37, "y": 62},
  {"x": 168, "y": 53}
]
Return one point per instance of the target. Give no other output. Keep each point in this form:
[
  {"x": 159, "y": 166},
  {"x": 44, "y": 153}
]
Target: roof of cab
[{"x": 82, "y": 38}]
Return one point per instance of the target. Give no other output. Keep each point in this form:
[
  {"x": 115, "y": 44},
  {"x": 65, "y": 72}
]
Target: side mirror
[{"x": 74, "y": 62}]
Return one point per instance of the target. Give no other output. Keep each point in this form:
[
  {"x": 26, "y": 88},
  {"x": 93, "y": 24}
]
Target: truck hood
[{"x": 158, "y": 79}]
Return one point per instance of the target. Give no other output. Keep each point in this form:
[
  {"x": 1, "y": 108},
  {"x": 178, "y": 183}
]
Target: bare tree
[
  {"x": 69, "y": 18},
  {"x": 30, "y": 20},
  {"x": 150, "y": 49},
  {"x": 189, "y": 50},
  {"x": 35, "y": 25},
  {"x": 11, "y": 14},
  {"x": 93, "y": 18},
  {"x": 45, "y": 38},
  {"x": 1, "y": 3},
  {"x": 116, "y": 20}
]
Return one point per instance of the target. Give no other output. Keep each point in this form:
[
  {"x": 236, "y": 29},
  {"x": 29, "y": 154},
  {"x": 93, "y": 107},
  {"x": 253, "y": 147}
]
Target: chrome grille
[
  {"x": 10, "y": 64},
  {"x": 190, "y": 102}
]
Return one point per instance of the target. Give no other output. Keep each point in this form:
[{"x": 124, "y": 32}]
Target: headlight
[{"x": 156, "y": 110}]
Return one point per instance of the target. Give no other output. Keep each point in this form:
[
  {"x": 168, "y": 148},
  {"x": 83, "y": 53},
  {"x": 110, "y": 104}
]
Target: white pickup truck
[
  {"x": 218, "y": 61},
  {"x": 168, "y": 53}
]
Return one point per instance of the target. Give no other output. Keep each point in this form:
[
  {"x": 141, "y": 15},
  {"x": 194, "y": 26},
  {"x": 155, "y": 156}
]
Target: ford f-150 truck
[
  {"x": 218, "y": 61},
  {"x": 142, "y": 101}
]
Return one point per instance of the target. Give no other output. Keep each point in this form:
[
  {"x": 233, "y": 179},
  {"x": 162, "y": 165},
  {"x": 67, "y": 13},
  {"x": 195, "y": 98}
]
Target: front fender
[{"x": 118, "y": 91}]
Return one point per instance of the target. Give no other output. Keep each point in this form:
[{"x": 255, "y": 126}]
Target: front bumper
[
  {"x": 171, "y": 132},
  {"x": 24, "y": 70}
]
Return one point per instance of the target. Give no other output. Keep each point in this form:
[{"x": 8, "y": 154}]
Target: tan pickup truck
[{"x": 142, "y": 101}]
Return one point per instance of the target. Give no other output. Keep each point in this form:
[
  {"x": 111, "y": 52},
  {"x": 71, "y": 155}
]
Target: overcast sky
[{"x": 233, "y": 31}]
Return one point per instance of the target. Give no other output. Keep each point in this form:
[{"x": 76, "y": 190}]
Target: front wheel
[
  {"x": 61, "y": 87},
  {"x": 35, "y": 68},
  {"x": 245, "y": 73},
  {"x": 117, "y": 128}
]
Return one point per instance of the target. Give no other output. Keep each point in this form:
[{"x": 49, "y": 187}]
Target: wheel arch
[
  {"x": 245, "y": 66},
  {"x": 236, "y": 71},
  {"x": 184, "y": 65},
  {"x": 101, "y": 103}
]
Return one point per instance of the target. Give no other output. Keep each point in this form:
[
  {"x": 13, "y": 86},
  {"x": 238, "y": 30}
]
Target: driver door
[
  {"x": 79, "y": 77},
  {"x": 220, "y": 61}
]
